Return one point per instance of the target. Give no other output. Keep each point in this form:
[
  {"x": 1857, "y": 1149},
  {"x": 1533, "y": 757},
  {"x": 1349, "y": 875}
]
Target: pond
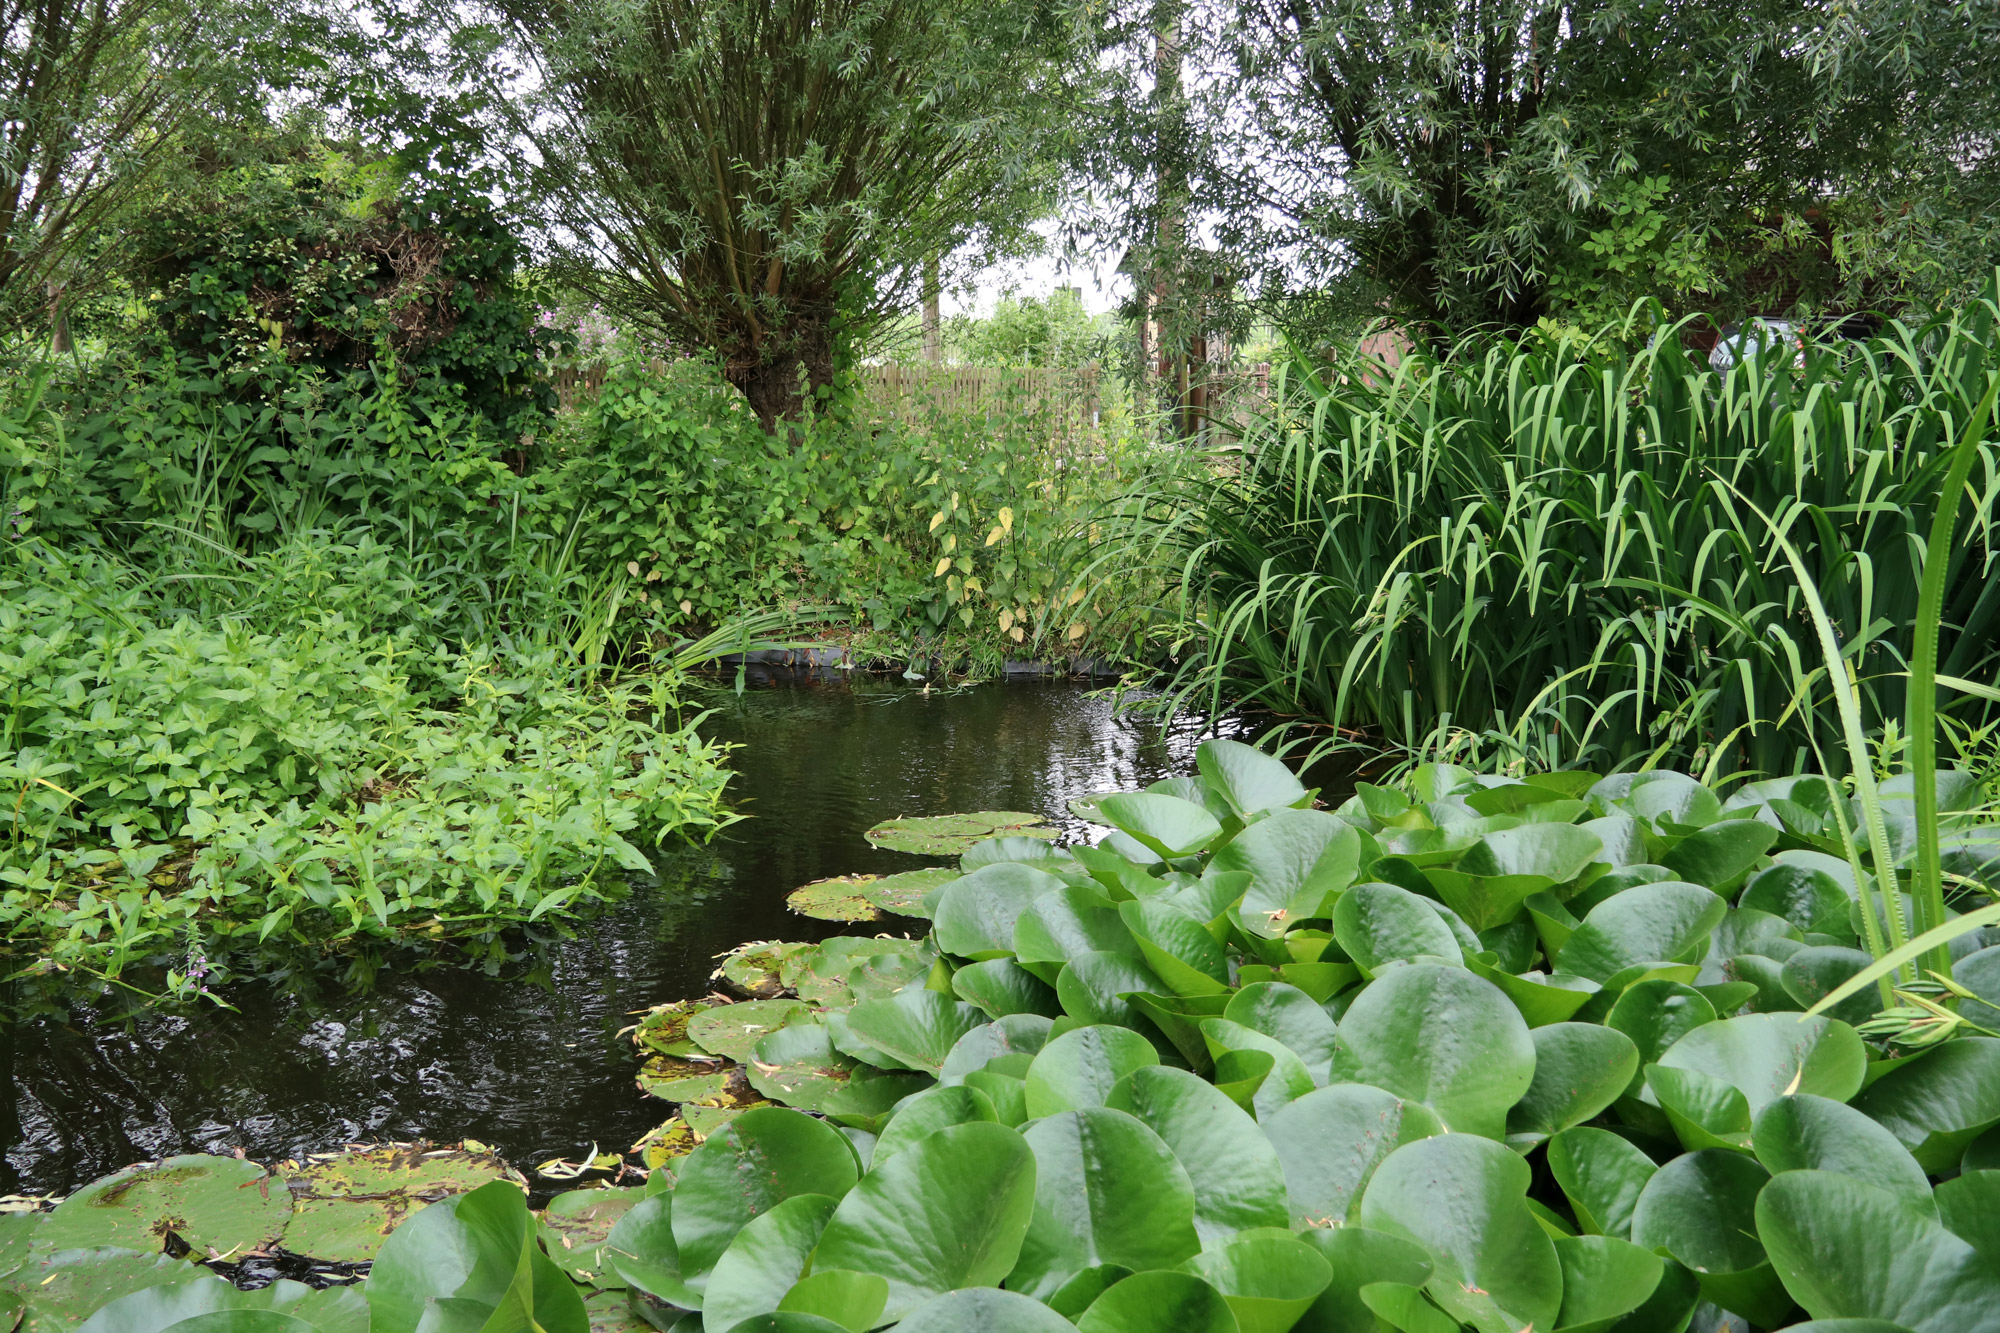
[{"x": 526, "y": 1056}]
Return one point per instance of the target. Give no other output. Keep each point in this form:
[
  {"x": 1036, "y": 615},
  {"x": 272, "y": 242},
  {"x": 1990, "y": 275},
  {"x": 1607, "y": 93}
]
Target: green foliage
[
  {"x": 292, "y": 254},
  {"x": 1556, "y": 551},
  {"x": 1689, "y": 1115},
  {"x": 971, "y": 529}
]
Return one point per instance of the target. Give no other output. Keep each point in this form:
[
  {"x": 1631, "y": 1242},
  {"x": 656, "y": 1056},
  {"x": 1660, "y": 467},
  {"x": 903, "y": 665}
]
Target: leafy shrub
[
  {"x": 315, "y": 261},
  {"x": 1556, "y": 550}
]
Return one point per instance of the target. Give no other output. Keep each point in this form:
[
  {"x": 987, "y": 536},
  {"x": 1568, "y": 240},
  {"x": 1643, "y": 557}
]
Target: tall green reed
[{"x": 1551, "y": 548}]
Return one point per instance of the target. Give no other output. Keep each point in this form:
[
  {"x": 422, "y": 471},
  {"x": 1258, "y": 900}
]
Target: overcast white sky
[{"x": 1102, "y": 286}]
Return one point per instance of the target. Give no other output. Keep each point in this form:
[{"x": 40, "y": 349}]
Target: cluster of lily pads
[{"x": 1470, "y": 1052}]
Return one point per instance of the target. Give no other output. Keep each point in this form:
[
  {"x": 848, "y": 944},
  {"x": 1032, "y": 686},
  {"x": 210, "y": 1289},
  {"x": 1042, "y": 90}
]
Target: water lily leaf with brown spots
[
  {"x": 839, "y": 899},
  {"x": 819, "y": 974},
  {"x": 348, "y": 1203},
  {"x": 951, "y": 835},
  {"x": 674, "y": 1078},
  {"x": 732, "y": 1030},
  {"x": 663, "y": 1029},
  {"x": 218, "y": 1204},
  {"x": 754, "y": 970},
  {"x": 904, "y": 894},
  {"x": 575, "y": 1224},
  {"x": 799, "y": 1067}
]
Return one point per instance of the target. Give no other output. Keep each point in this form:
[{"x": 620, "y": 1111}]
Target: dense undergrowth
[
  {"x": 1561, "y": 551},
  {"x": 299, "y": 656}
]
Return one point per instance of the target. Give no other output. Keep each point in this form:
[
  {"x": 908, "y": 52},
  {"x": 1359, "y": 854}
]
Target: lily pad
[
  {"x": 838, "y": 899},
  {"x": 733, "y": 1030},
  {"x": 575, "y": 1226},
  {"x": 663, "y": 1028},
  {"x": 346, "y": 1204},
  {"x": 904, "y": 894},
  {"x": 798, "y": 1066},
  {"x": 61, "y": 1290},
  {"x": 953, "y": 835},
  {"x": 755, "y": 970},
  {"x": 215, "y": 1204}
]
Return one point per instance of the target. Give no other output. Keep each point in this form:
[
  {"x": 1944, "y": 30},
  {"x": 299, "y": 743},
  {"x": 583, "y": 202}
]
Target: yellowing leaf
[
  {"x": 1007, "y": 519},
  {"x": 995, "y": 535},
  {"x": 1017, "y": 633},
  {"x": 951, "y": 542},
  {"x": 1076, "y": 630},
  {"x": 1076, "y": 595},
  {"x": 944, "y": 563},
  {"x": 687, "y": 607},
  {"x": 1006, "y": 620},
  {"x": 632, "y": 568},
  {"x": 954, "y": 502},
  {"x": 937, "y": 519},
  {"x": 974, "y": 585}
]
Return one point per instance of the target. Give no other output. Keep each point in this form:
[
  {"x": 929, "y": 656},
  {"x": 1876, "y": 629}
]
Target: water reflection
[{"x": 522, "y": 1051}]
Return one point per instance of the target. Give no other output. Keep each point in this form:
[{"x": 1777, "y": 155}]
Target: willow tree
[{"x": 765, "y": 178}]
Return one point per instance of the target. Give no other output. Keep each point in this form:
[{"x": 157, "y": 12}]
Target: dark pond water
[{"x": 528, "y": 1058}]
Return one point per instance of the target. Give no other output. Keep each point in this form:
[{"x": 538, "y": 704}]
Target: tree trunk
[
  {"x": 771, "y": 380},
  {"x": 933, "y": 327}
]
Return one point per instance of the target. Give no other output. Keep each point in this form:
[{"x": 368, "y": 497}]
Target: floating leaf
[
  {"x": 1807, "y": 1133},
  {"x": 575, "y": 1226},
  {"x": 841, "y": 898},
  {"x": 927, "y": 1112},
  {"x": 733, "y": 1030},
  {"x": 797, "y": 1065},
  {"x": 907, "y": 893},
  {"x": 216, "y": 1204},
  {"x": 1603, "y": 1278},
  {"x": 61, "y": 1289},
  {"x": 346, "y": 1204},
  {"x": 952, "y": 835}
]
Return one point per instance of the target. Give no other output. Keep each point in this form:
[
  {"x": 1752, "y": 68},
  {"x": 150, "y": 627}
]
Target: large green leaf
[
  {"x": 852, "y": 1301},
  {"x": 797, "y": 1065},
  {"x": 62, "y": 1288},
  {"x": 974, "y": 915},
  {"x": 1248, "y": 780},
  {"x": 1294, "y": 858},
  {"x": 477, "y": 1252},
  {"x": 764, "y": 1260},
  {"x": 1107, "y": 1191},
  {"x": 1016, "y": 1034},
  {"x": 1541, "y": 999},
  {"x": 1938, "y": 1104},
  {"x": 1969, "y": 1207},
  {"x": 1001, "y": 986},
  {"x": 950, "y": 1211},
  {"x": 1330, "y": 1142},
  {"x": 1497, "y": 874},
  {"x": 1650, "y": 923},
  {"x": 1443, "y": 1037},
  {"x": 1602, "y": 1174},
  {"x": 842, "y": 898},
  {"x": 1356, "y": 1258},
  {"x": 215, "y": 1204},
  {"x": 1804, "y": 895},
  {"x": 907, "y": 893},
  {"x": 1177, "y": 947},
  {"x": 1159, "y": 1302},
  {"x": 746, "y": 1168},
  {"x": 1288, "y": 1077},
  {"x": 1808, "y": 1133},
  {"x": 1580, "y": 1068},
  {"x": 1694, "y": 1208},
  {"x": 926, "y": 1113},
  {"x": 1269, "y": 1280},
  {"x": 984, "y": 1310},
  {"x": 641, "y": 1253},
  {"x": 1082, "y": 1067},
  {"x": 1657, "y": 1013},
  {"x": 575, "y": 1226},
  {"x": 1378, "y": 924},
  {"x": 917, "y": 1027},
  {"x": 1238, "y": 1180},
  {"x": 1464, "y": 1199},
  {"x": 733, "y": 1030},
  {"x": 953, "y": 835},
  {"x": 1289, "y": 1015},
  {"x": 295, "y": 1307},
  {"x": 1603, "y": 1279},
  {"x": 1849, "y": 1250},
  {"x": 1705, "y": 1111},
  {"x": 1165, "y": 825},
  {"x": 1094, "y": 986},
  {"x": 1769, "y": 1055},
  {"x": 1719, "y": 856},
  {"x": 1066, "y": 922}
]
